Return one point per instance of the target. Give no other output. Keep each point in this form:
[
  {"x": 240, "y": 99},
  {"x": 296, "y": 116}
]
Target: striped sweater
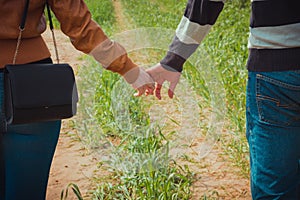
[{"x": 274, "y": 40}]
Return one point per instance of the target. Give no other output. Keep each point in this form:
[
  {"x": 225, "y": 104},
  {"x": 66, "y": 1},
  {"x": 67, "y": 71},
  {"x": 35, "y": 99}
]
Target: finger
[
  {"x": 140, "y": 91},
  {"x": 157, "y": 91},
  {"x": 150, "y": 89},
  {"x": 149, "y": 92},
  {"x": 170, "y": 94},
  {"x": 145, "y": 89},
  {"x": 172, "y": 89}
]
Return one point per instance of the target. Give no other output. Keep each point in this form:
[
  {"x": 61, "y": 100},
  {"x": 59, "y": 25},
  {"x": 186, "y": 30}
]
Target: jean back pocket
[{"x": 278, "y": 101}]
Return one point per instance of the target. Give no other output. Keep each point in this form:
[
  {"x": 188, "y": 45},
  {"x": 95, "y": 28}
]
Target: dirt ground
[{"x": 72, "y": 162}]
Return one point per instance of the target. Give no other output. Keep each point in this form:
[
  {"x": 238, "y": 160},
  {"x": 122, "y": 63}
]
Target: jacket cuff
[
  {"x": 137, "y": 77},
  {"x": 173, "y": 62}
]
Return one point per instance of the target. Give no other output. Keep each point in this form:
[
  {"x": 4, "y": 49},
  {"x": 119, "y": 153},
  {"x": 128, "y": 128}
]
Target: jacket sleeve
[
  {"x": 198, "y": 18},
  {"x": 87, "y": 36}
]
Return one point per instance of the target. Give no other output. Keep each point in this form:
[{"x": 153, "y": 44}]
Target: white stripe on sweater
[
  {"x": 275, "y": 37},
  {"x": 190, "y": 32}
]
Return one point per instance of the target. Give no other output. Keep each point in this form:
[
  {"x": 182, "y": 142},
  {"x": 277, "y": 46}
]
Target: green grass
[
  {"x": 138, "y": 152},
  {"x": 75, "y": 189},
  {"x": 139, "y": 162},
  {"x": 162, "y": 14},
  {"x": 142, "y": 170},
  {"x": 226, "y": 45},
  {"x": 103, "y": 13}
]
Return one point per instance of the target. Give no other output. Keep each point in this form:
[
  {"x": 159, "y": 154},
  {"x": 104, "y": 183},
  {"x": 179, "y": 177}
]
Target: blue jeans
[
  {"x": 26, "y": 153},
  {"x": 273, "y": 134}
]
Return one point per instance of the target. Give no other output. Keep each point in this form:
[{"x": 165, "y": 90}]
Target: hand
[
  {"x": 141, "y": 81},
  {"x": 160, "y": 75}
]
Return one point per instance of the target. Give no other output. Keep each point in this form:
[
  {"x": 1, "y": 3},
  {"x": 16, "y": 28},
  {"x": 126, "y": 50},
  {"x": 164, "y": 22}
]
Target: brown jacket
[{"x": 76, "y": 22}]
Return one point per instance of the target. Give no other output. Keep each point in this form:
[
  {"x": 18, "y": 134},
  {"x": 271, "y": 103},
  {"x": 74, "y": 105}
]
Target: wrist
[
  {"x": 172, "y": 62},
  {"x": 137, "y": 77}
]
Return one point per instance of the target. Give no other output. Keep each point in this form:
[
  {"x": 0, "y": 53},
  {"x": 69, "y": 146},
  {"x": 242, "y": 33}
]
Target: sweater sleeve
[
  {"x": 87, "y": 36},
  {"x": 198, "y": 18}
]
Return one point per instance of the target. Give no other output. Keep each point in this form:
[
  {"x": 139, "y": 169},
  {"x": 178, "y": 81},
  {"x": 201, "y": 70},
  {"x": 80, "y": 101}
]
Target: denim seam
[
  {"x": 278, "y": 104},
  {"x": 260, "y": 98},
  {"x": 278, "y": 83},
  {"x": 258, "y": 105}
]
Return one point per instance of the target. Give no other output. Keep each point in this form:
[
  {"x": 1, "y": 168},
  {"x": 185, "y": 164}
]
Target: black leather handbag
[{"x": 38, "y": 92}]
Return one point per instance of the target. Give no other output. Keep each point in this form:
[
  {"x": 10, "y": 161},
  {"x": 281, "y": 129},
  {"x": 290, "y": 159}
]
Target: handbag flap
[{"x": 35, "y": 85}]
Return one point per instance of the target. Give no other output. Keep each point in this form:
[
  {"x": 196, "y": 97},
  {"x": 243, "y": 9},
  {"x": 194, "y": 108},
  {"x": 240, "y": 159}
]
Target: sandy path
[{"x": 72, "y": 162}]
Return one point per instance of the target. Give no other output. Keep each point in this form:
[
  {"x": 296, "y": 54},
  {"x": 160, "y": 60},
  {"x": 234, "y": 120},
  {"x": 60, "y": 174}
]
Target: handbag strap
[
  {"x": 22, "y": 28},
  {"x": 52, "y": 30}
]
